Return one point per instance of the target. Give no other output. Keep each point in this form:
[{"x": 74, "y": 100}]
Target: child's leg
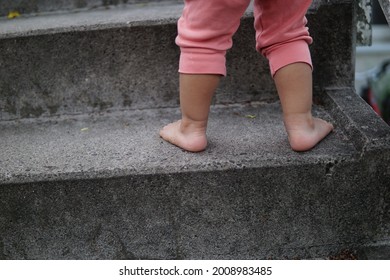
[
  {"x": 283, "y": 38},
  {"x": 294, "y": 84},
  {"x": 205, "y": 32},
  {"x": 196, "y": 92}
]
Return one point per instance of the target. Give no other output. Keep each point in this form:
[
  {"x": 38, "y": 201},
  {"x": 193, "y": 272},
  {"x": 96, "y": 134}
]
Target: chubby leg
[
  {"x": 282, "y": 37},
  {"x": 196, "y": 92},
  {"x": 294, "y": 85},
  {"x": 205, "y": 32}
]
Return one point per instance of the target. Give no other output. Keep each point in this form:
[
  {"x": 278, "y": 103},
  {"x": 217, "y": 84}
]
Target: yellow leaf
[
  {"x": 250, "y": 116},
  {"x": 13, "y": 14}
]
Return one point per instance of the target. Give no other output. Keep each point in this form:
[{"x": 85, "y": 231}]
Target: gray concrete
[
  {"x": 117, "y": 191},
  {"x": 114, "y": 18},
  {"x": 115, "y": 69},
  {"x": 380, "y": 251},
  {"x": 127, "y": 143},
  {"x": 385, "y": 4},
  {"x": 364, "y": 21},
  {"x": 84, "y": 175},
  {"x": 35, "y": 7},
  {"x": 39, "y": 7},
  {"x": 116, "y": 63}
]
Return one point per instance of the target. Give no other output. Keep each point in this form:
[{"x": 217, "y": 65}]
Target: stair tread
[
  {"x": 127, "y": 143},
  {"x": 44, "y": 6},
  {"x": 114, "y": 17}
]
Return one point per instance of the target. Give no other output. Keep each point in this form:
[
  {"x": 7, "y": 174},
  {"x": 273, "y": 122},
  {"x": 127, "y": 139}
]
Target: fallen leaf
[
  {"x": 250, "y": 116},
  {"x": 84, "y": 129},
  {"x": 13, "y": 14}
]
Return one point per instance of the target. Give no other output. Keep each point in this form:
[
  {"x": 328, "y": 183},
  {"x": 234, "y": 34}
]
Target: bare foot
[
  {"x": 188, "y": 138},
  {"x": 304, "y": 131}
]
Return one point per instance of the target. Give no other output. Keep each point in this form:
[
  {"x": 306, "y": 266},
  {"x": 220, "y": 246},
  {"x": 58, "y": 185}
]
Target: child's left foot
[{"x": 189, "y": 138}]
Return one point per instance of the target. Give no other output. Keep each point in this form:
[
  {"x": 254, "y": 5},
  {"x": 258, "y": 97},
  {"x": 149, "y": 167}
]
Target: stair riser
[
  {"x": 88, "y": 72},
  {"x": 309, "y": 212},
  {"x": 114, "y": 69},
  {"x": 122, "y": 68}
]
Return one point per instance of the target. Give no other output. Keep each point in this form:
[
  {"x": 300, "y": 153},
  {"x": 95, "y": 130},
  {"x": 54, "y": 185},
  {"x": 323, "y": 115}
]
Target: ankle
[
  {"x": 295, "y": 121},
  {"x": 193, "y": 126}
]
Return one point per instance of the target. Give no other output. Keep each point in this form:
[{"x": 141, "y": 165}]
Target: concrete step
[
  {"x": 128, "y": 142},
  {"x": 36, "y": 7},
  {"x": 116, "y": 66},
  {"x": 121, "y": 59},
  {"x": 84, "y": 175},
  {"x": 107, "y": 187}
]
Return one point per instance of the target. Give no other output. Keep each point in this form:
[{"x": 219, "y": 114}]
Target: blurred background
[{"x": 372, "y": 79}]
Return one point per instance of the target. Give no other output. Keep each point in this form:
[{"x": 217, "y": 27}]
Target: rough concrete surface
[
  {"x": 385, "y": 4},
  {"x": 39, "y": 7},
  {"x": 116, "y": 63},
  {"x": 90, "y": 20},
  {"x": 128, "y": 143},
  {"x": 379, "y": 251},
  {"x": 27, "y": 7},
  {"x": 117, "y": 191},
  {"x": 364, "y": 21},
  {"x": 114, "y": 68},
  {"x": 84, "y": 175}
]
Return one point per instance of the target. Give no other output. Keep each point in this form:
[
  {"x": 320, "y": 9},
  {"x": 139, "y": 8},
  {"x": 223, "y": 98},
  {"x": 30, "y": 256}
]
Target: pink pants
[{"x": 206, "y": 27}]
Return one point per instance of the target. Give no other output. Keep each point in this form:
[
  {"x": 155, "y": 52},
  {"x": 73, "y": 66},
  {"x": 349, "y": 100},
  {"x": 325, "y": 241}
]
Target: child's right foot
[
  {"x": 188, "y": 138},
  {"x": 305, "y": 132}
]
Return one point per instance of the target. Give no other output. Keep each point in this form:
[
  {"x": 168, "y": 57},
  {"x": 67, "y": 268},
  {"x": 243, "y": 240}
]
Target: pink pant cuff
[
  {"x": 202, "y": 63},
  {"x": 289, "y": 53}
]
